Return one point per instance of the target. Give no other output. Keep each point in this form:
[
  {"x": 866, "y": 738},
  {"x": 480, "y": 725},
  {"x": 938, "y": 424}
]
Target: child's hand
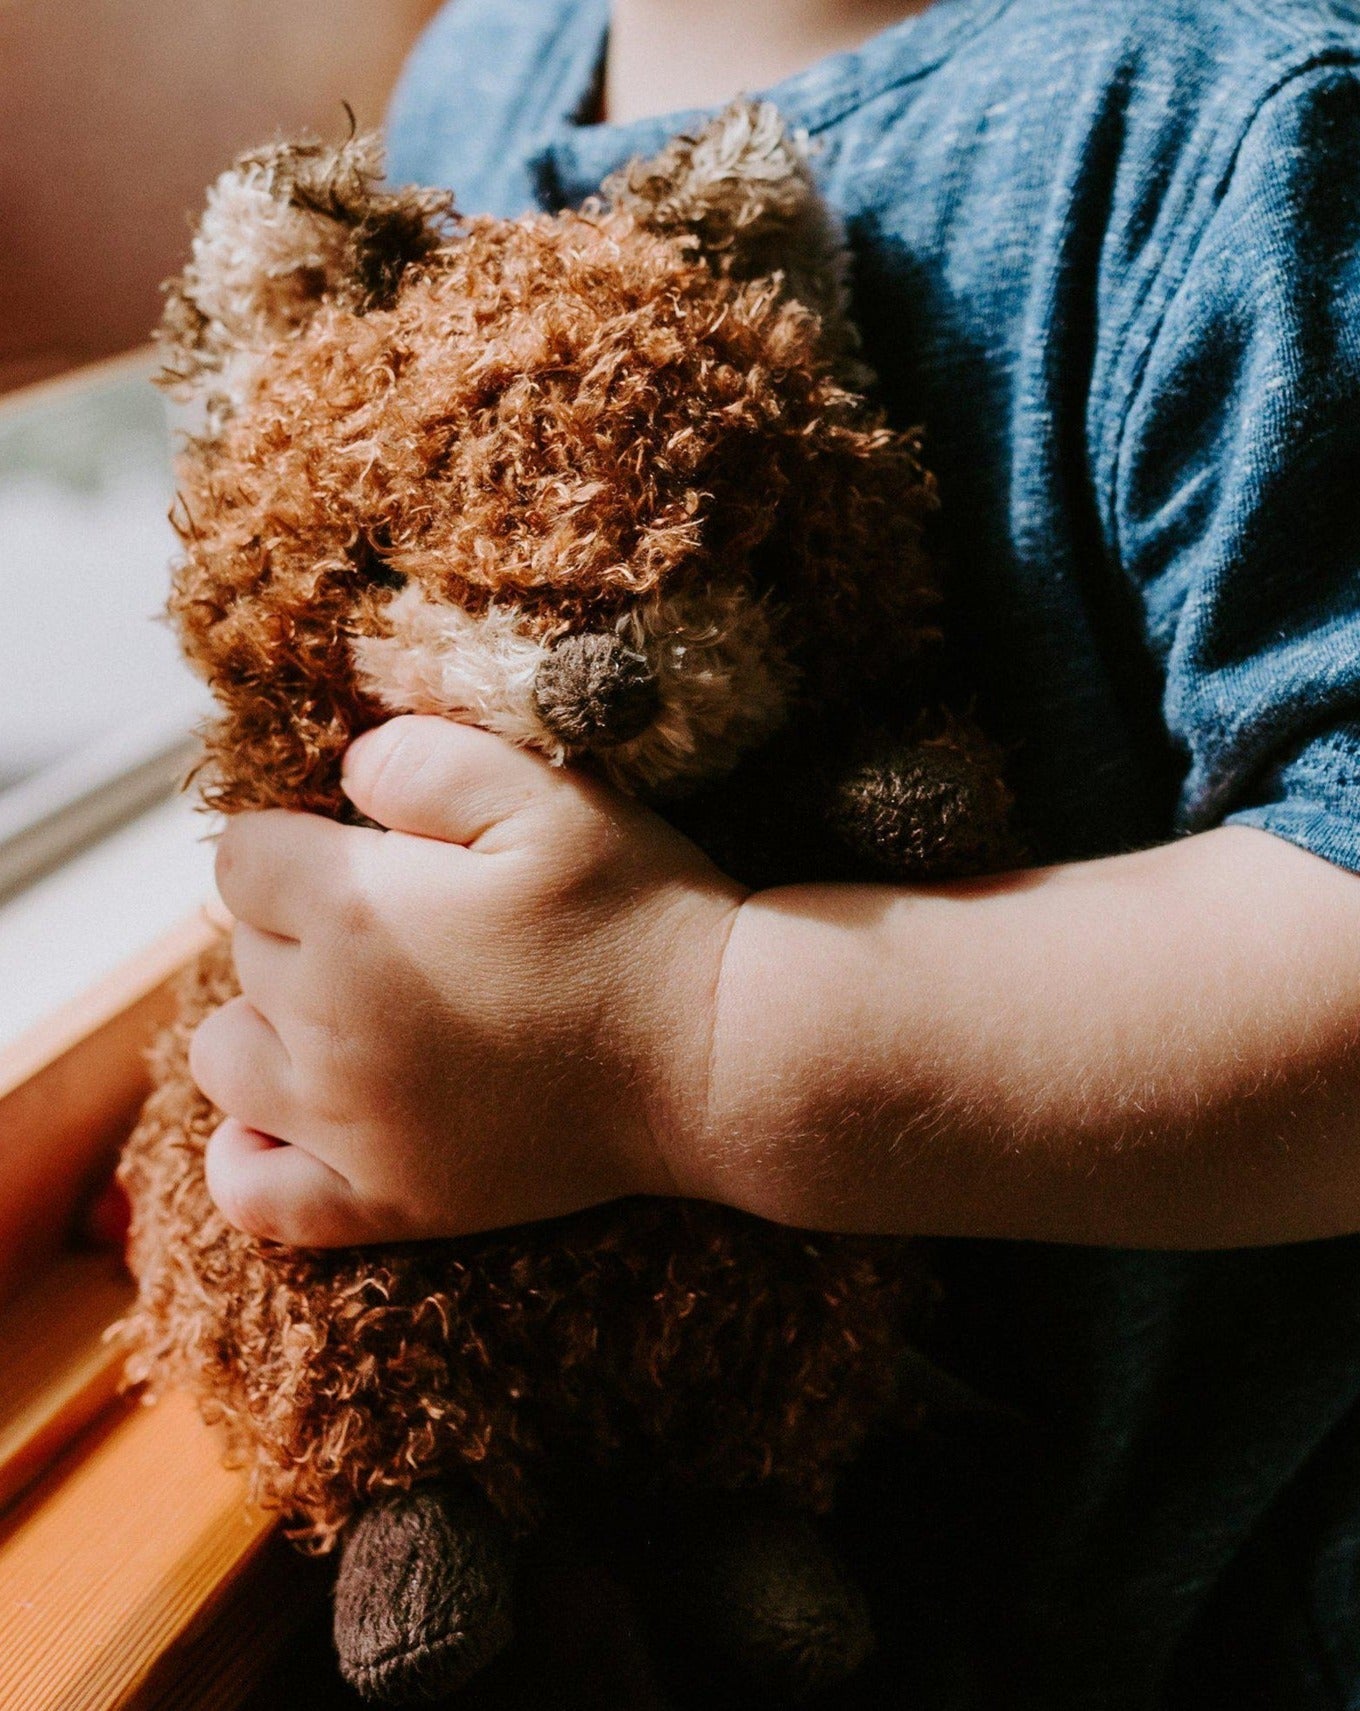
[{"x": 500, "y": 1010}]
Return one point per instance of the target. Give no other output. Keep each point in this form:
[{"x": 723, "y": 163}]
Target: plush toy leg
[
  {"x": 754, "y": 1586},
  {"x": 423, "y": 1597}
]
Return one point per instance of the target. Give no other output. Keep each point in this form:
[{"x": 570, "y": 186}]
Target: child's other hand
[{"x": 499, "y": 1010}]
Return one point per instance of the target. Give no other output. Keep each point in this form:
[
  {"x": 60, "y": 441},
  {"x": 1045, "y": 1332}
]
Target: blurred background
[
  {"x": 85, "y": 483},
  {"x": 115, "y": 114},
  {"x": 114, "y": 117}
]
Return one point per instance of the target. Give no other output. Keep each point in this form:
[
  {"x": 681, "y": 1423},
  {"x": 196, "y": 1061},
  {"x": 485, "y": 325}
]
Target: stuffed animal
[{"x": 605, "y": 483}]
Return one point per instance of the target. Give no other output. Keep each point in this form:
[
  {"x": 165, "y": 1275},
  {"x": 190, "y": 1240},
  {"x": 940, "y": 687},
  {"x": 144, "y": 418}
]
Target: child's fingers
[
  {"x": 437, "y": 779},
  {"x": 279, "y": 1192},
  {"x": 241, "y": 1065},
  {"x": 268, "y": 865},
  {"x": 267, "y": 968}
]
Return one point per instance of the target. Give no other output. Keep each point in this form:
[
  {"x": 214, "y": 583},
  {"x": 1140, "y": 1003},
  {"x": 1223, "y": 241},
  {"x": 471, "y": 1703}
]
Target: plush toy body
[{"x": 601, "y": 483}]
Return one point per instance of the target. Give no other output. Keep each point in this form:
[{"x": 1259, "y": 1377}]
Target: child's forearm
[{"x": 1157, "y": 1049}]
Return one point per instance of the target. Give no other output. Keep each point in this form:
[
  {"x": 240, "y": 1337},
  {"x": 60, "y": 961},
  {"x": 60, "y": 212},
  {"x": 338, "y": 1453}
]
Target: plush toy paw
[
  {"x": 756, "y": 1588},
  {"x": 423, "y": 1597},
  {"x": 928, "y": 810}
]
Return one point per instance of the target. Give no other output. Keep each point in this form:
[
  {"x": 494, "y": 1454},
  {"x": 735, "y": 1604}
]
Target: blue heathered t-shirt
[{"x": 1108, "y": 253}]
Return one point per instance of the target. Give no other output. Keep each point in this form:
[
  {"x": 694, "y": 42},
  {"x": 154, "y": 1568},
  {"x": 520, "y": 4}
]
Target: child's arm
[
  {"x": 1151, "y": 1049},
  {"x": 1160, "y": 1049}
]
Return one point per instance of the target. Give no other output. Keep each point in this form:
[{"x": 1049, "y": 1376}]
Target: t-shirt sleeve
[{"x": 1236, "y": 502}]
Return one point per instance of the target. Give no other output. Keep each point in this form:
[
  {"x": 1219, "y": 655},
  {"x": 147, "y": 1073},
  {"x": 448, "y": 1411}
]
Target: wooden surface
[
  {"x": 134, "y": 1574},
  {"x": 245, "y": 1641},
  {"x": 124, "y": 1565},
  {"x": 58, "y": 1371},
  {"x": 69, "y": 1090}
]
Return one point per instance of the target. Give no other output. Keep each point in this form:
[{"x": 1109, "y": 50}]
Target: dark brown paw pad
[
  {"x": 770, "y": 1596},
  {"x": 934, "y": 812},
  {"x": 423, "y": 1597}
]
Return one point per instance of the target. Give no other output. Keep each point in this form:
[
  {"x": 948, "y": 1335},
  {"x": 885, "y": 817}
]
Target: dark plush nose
[{"x": 593, "y": 691}]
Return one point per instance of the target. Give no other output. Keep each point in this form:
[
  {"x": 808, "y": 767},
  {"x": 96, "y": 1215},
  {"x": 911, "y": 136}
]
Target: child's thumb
[{"x": 437, "y": 779}]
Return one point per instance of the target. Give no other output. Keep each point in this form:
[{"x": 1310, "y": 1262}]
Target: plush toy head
[{"x": 594, "y": 481}]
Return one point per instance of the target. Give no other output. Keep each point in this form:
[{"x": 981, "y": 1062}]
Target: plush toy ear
[
  {"x": 740, "y": 192},
  {"x": 286, "y": 229}
]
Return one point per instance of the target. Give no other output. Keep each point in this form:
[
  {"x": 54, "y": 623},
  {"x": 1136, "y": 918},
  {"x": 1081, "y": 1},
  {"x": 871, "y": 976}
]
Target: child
[{"x": 1109, "y": 253}]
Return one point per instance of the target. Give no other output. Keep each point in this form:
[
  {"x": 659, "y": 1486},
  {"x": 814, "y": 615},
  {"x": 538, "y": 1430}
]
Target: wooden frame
[
  {"x": 69, "y": 1089},
  {"x": 134, "y": 1574}
]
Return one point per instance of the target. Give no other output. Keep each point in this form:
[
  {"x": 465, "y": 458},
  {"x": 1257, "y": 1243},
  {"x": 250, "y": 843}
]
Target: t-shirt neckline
[{"x": 573, "y": 156}]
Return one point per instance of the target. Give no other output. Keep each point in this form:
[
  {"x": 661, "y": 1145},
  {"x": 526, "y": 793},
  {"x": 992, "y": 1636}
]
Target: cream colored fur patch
[{"x": 723, "y": 679}]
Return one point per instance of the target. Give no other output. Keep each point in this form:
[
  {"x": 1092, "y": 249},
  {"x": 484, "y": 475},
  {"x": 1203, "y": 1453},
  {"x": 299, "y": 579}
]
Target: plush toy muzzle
[{"x": 669, "y": 691}]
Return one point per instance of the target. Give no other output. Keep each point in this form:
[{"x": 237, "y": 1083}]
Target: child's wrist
[
  {"x": 679, "y": 1153},
  {"x": 800, "y": 1062},
  {"x": 748, "y": 1096}
]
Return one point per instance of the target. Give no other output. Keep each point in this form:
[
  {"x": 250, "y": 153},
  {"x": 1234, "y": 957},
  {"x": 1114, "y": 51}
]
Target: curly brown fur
[
  {"x": 285, "y": 226},
  {"x": 930, "y": 804},
  {"x": 557, "y": 429},
  {"x": 741, "y": 193},
  {"x": 653, "y": 1336},
  {"x": 480, "y": 439}
]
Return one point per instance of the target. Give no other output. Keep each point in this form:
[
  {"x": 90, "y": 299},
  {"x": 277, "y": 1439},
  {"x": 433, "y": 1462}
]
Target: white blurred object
[
  {"x": 96, "y": 706},
  {"x": 85, "y": 549},
  {"x": 99, "y": 851},
  {"x": 75, "y": 925},
  {"x": 47, "y": 817}
]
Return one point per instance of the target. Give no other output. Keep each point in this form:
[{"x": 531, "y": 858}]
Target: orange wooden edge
[
  {"x": 58, "y": 1370},
  {"x": 128, "y": 1576},
  {"x": 134, "y": 1571},
  {"x": 134, "y": 1574},
  {"x": 69, "y": 1090}
]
